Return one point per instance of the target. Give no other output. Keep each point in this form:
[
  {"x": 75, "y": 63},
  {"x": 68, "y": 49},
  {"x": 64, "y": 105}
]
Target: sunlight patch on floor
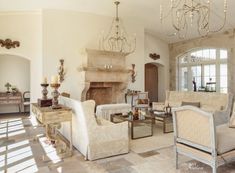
[{"x": 50, "y": 151}]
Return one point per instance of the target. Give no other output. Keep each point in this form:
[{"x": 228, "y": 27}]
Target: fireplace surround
[{"x": 104, "y": 76}]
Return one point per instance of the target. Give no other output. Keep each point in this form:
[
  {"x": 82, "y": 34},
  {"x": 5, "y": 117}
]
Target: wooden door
[{"x": 151, "y": 81}]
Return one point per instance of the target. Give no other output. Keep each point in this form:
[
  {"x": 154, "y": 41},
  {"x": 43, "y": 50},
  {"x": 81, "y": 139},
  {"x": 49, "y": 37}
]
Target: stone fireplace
[{"x": 104, "y": 76}]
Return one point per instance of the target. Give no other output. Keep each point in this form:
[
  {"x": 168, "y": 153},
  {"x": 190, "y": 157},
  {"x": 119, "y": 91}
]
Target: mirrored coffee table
[
  {"x": 165, "y": 118},
  {"x": 139, "y": 128}
]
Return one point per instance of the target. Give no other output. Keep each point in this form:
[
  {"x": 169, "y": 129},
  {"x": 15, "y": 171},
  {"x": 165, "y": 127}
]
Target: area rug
[{"x": 159, "y": 140}]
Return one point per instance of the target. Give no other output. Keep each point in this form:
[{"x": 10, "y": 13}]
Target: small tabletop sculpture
[{"x": 8, "y": 86}]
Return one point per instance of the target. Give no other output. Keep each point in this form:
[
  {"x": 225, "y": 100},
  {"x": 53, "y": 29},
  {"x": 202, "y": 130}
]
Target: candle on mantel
[
  {"x": 44, "y": 80},
  {"x": 54, "y": 80}
]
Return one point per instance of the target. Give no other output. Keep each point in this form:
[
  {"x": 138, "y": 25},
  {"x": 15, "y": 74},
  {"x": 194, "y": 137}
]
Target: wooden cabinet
[{"x": 11, "y": 99}]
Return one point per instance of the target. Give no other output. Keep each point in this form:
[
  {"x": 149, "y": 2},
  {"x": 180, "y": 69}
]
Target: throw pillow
[{"x": 196, "y": 104}]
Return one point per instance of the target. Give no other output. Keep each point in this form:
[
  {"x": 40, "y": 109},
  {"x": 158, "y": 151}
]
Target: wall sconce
[
  {"x": 133, "y": 73},
  {"x": 61, "y": 71},
  {"x": 8, "y": 43}
]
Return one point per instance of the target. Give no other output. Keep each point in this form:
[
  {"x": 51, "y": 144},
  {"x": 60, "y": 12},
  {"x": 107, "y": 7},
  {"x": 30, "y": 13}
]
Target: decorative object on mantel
[
  {"x": 187, "y": 15},
  {"x": 8, "y": 86},
  {"x": 117, "y": 39},
  {"x": 133, "y": 73},
  {"x": 55, "y": 93},
  {"x": 108, "y": 67},
  {"x": 154, "y": 56},
  {"x": 61, "y": 71},
  {"x": 44, "y": 102},
  {"x": 8, "y": 43}
]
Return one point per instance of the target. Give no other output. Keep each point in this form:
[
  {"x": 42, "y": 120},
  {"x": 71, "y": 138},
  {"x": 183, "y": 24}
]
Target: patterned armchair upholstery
[
  {"x": 94, "y": 138},
  {"x": 196, "y": 136}
]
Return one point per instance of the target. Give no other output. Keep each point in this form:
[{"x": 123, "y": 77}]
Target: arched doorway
[
  {"x": 14, "y": 70},
  {"x": 151, "y": 81}
]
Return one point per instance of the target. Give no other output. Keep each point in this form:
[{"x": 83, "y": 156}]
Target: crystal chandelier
[
  {"x": 190, "y": 14},
  {"x": 117, "y": 38}
]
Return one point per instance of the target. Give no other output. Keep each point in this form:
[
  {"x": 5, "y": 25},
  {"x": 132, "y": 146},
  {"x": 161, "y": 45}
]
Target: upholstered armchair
[
  {"x": 94, "y": 138},
  {"x": 197, "y": 136}
]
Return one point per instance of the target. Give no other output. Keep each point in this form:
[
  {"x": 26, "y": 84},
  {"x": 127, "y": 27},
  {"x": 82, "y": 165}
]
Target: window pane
[
  {"x": 196, "y": 76},
  {"x": 209, "y": 76},
  {"x": 223, "y": 54},
  {"x": 223, "y": 82},
  {"x": 184, "y": 79},
  {"x": 212, "y": 53},
  {"x": 183, "y": 59},
  {"x": 223, "y": 70}
]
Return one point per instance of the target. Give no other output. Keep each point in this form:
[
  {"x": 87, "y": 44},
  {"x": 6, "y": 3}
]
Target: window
[{"x": 204, "y": 70}]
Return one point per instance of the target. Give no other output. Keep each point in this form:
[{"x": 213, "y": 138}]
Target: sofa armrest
[
  {"x": 110, "y": 132},
  {"x": 103, "y": 122}
]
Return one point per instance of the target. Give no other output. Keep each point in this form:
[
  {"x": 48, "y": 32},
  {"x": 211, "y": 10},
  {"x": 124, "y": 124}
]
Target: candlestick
[
  {"x": 44, "y": 91},
  {"x": 44, "y": 80},
  {"x": 54, "y": 80},
  {"x": 55, "y": 94}
]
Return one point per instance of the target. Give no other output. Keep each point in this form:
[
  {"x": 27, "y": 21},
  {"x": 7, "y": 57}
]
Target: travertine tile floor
[{"x": 20, "y": 153}]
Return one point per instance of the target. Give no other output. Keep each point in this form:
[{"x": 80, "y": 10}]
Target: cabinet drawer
[{"x": 57, "y": 117}]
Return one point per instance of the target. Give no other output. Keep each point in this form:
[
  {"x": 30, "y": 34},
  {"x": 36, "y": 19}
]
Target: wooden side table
[
  {"x": 11, "y": 99},
  {"x": 48, "y": 116}
]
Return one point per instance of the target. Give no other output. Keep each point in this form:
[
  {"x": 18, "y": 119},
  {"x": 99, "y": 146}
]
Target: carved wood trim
[
  {"x": 8, "y": 43},
  {"x": 154, "y": 56}
]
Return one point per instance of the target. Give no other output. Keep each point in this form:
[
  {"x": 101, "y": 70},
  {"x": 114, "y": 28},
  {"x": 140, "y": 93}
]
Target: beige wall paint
[
  {"x": 155, "y": 45},
  {"x": 224, "y": 40},
  {"x": 25, "y": 27},
  {"x": 66, "y": 34},
  {"x": 16, "y": 71}
]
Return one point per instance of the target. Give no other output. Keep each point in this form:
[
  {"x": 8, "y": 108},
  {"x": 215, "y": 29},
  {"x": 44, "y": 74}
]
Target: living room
[{"x": 133, "y": 58}]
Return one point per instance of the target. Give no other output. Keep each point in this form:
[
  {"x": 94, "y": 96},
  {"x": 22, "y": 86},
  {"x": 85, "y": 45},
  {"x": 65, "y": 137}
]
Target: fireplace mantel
[{"x": 104, "y": 68}]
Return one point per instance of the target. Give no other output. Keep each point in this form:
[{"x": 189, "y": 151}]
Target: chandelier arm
[
  {"x": 222, "y": 26},
  {"x": 198, "y": 28}
]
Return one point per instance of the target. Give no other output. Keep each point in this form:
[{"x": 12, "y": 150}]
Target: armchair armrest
[{"x": 110, "y": 132}]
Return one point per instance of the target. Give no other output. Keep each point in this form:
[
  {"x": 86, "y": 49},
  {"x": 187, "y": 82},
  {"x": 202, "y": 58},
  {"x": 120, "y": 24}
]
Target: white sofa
[
  {"x": 94, "y": 138},
  {"x": 218, "y": 103}
]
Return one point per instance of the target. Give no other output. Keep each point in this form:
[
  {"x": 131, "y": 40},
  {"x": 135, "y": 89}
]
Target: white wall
[
  {"x": 66, "y": 34},
  {"x": 25, "y": 27},
  {"x": 156, "y": 45},
  {"x": 16, "y": 71}
]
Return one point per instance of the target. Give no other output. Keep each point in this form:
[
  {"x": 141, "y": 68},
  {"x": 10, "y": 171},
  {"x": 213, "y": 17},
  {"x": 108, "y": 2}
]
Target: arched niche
[{"x": 14, "y": 69}]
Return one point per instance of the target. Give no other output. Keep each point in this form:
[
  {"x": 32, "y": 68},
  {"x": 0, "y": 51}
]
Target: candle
[
  {"x": 54, "y": 80},
  {"x": 44, "y": 80}
]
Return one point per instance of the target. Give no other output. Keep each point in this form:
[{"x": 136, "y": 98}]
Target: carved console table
[
  {"x": 11, "y": 99},
  {"x": 49, "y": 117}
]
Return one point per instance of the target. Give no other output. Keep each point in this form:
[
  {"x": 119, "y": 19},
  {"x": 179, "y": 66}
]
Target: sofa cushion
[
  {"x": 225, "y": 138},
  {"x": 196, "y": 104}
]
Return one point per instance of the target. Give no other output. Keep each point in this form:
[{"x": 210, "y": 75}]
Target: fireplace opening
[{"x": 105, "y": 92}]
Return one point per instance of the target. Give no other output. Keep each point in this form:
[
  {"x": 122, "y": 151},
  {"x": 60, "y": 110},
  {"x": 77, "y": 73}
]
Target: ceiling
[{"x": 145, "y": 11}]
